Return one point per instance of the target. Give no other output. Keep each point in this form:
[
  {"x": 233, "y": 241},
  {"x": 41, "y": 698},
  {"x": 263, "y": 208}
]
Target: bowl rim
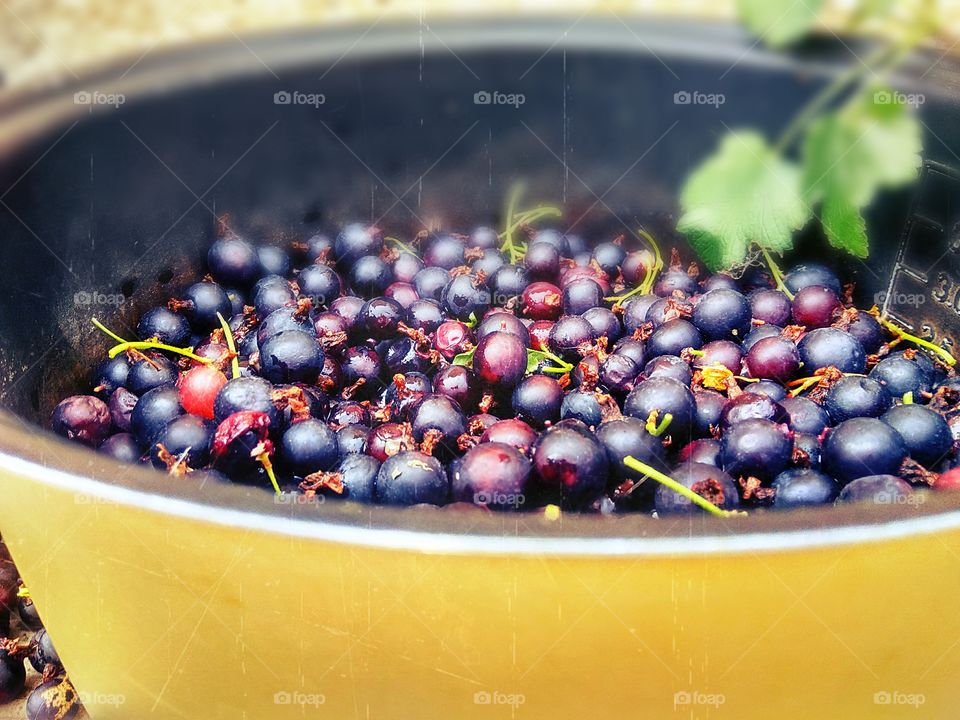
[{"x": 43, "y": 458}]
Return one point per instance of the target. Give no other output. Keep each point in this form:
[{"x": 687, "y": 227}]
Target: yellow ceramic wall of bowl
[{"x": 165, "y": 616}]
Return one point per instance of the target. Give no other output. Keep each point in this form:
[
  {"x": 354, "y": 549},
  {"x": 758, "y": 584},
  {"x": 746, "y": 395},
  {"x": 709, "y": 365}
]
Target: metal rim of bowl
[{"x": 29, "y": 114}]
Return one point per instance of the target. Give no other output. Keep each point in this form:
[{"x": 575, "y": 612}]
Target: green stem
[
  {"x": 659, "y": 429},
  {"x": 231, "y": 345},
  {"x": 777, "y": 273},
  {"x": 402, "y": 245},
  {"x": 103, "y": 328},
  {"x": 149, "y": 345},
  {"x": 904, "y": 335},
  {"x": 827, "y": 95},
  {"x": 701, "y": 502}
]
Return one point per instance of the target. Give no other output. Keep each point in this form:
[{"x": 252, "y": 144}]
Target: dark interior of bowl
[{"x": 123, "y": 201}]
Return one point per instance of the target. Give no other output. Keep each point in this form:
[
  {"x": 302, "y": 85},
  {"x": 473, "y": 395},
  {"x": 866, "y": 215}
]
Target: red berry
[
  {"x": 198, "y": 390},
  {"x": 950, "y": 480}
]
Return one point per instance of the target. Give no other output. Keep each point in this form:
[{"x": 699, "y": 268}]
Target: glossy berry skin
[
  {"x": 617, "y": 373},
  {"x": 771, "y": 306},
  {"x": 604, "y": 324},
  {"x": 542, "y": 262},
  {"x": 698, "y": 477},
  {"x": 673, "y": 337},
  {"x": 379, "y": 318},
  {"x": 403, "y": 293},
  {"x": 484, "y": 237},
  {"x": 352, "y": 440},
  {"x": 513, "y": 432},
  {"x": 41, "y": 653},
  {"x": 924, "y": 431},
  {"x": 370, "y": 275},
  {"x": 184, "y": 434},
  {"x": 205, "y": 300},
  {"x": 722, "y": 315},
  {"x": 412, "y": 478},
  {"x": 308, "y": 446},
  {"x": 800, "y": 486},
  {"x": 542, "y": 301},
  {"x": 503, "y": 322},
  {"x": 320, "y": 283},
  {"x": 665, "y": 395},
  {"x": 465, "y": 295},
  {"x": 860, "y": 447},
  {"x": 358, "y": 473},
  {"x": 751, "y": 407},
  {"x": 581, "y": 295},
  {"x": 665, "y": 366},
  {"x": 123, "y": 447},
  {"x": 429, "y": 283},
  {"x": 360, "y": 363},
  {"x": 758, "y": 334},
  {"x": 145, "y": 375},
  {"x": 244, "y": 393},
  {"x": 152, "y": 413},
  {"x": 609, "y": 256},
  {"x": 710, "y": 405},
  {"x": 356, "y": 241},
  {"x": 458, "y": 383},
  {"x": 199, "y": 388},
  {"x": 570, "y": 466},
  {"x": 900, "y": 375},
  {"x": 167, "y": 326},
  {"x": 272, "y": 293},
  {"x": 668, "y": 308},
  {"x": 633, "y": 349},
  {"x": 488, "y": 263},
  {"x": 494, "y": 475},
  {"x": 769, "y": 388},
  {"x": 402, "y": 357},
  {"x": 536, "y": 400},
  {"x": 281, "y": 320},
  {"x": 233, "y": 262},
  {"x": 867, "y": 330},
  {"x": 852, "y": 397},
  {"x": 451, "y": 338},
  {"x": 500, "y": 360},
  {"x": 389, "y": 439},
  {"x": 110, "y": 375},
  {"x": 826, "y": 347},
  {"x": 814, "y": 306},
  {"x": 721, "y": 352},
  {"x": 508, "y": 282},
  {"x": 628, "y": 436},
  {"x": 582, "y": 406},
  {"x": 705, "y": 450},
  {"x": 876, "y": 489},
  {"x": 774, "y": 358},
  {"x": 83, "y": 418},
  {"x": 805, "y": 416},
  {"x": 438, "y": 412},
  {"x": 568, "y": 334},
  {"x": 807, "y": 274},
  {"x": 291, "y": 356},
  {"x": 13, "y": 675},
  {"x": 635, "y": 312},
  {"x": 425, "y": 315},
  {"x": 808, "y": 450},
  {"x": 756, "y": 448},
  {"x": 673, "y": 280},
  {"x": 445, "y": 251}
]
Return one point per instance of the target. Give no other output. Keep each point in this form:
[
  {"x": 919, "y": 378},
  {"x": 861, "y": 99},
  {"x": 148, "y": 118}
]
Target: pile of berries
[{"x": 520, "y": 370}]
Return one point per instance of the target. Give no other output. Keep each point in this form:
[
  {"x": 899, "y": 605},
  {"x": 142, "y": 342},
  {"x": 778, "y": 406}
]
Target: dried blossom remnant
[
  {"x": 332, "y": 481},
  {"x": 828, "y": 377},
  {"x": 304, "y": 306},
  {"x": 643, "y": 332},
  {"x": 486, "y": 402},
  {"x": 294, "y": 399},
  {"x": 466, "y": 441},
  {"x": 431, "y": 438},
  {"x": 348, "y": 392},
  {"x": 793, "y": 333},
  {"x": 176, "y": 464},
  {"x": 609, "y": 410},
  {"x": 176, "y": 305},
  {"x": 916, "y": 474},
  {"x": 753, "y": 489},
  {"x": 710, "y": 490}
]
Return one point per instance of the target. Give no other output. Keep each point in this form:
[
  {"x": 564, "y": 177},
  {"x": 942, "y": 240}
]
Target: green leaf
[
  {"x": 844, "y": 226},
  {"x": 867, "y": 9},
  {"x": 779, "y": 22},
  {"x": 744, "y": 193},
  {"x": 534, "y": 359},
  {"x": 870, "y": 144}
]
